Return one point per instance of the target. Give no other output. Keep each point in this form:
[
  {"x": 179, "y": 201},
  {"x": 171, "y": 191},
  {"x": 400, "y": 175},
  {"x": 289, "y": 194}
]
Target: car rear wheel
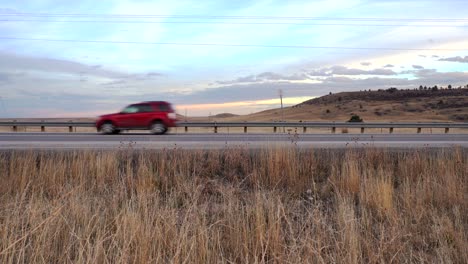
[
  {"x": 108, "y": 128},
  {"x": 158, "y": 128}
]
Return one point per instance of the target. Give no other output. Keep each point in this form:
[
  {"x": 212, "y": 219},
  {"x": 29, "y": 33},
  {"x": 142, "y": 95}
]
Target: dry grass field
[{"x": 234, "y": 206}]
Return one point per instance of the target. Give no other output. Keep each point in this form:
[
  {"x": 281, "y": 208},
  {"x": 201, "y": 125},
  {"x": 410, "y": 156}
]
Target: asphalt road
[{"x": 217, "y": 141}]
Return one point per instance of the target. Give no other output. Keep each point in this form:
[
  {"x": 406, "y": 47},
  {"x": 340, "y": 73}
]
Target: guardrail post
[
  {"x": 186, "y": 129},
  {"x": 245, "y": 129},
  {"x": 274, "y": 129},
  {"x": 419, "y": 130},
  {"x": 304, "y": 130},
  {"x": 15, "y": 129},
  {"x": 362, "y": 130},
  {"x": 216, "y": 129},
  {"x": 391, "y": 130},
  {"x": 446, "y": 130},
  {"x": 333, "y": 130},
  {"x": 42, "y": 126}
]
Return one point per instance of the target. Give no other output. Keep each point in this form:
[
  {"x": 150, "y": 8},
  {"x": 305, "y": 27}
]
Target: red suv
[{"x": 157, "y": 116}]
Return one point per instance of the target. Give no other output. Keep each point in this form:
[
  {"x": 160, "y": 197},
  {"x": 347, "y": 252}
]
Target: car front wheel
[
  {"x": 158, "y": 128},
  {"x": 108, "y": 128}
]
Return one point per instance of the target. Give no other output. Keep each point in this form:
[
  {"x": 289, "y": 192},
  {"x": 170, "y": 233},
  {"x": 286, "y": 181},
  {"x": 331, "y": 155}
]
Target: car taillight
[{"x": 172, "y": 115}]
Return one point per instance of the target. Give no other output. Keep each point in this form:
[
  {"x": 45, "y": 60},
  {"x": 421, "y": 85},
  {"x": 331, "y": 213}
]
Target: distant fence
[{"x": 275, "y": 125}]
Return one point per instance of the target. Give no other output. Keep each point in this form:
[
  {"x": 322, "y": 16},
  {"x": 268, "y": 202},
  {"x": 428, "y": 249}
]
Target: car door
[
  {"x": 126, "y": 118},
  {"x": 142, "y": 118}
]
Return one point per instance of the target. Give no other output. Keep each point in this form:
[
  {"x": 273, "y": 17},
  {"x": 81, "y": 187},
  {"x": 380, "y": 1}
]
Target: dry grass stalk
[{"x": 234, "y": 205}]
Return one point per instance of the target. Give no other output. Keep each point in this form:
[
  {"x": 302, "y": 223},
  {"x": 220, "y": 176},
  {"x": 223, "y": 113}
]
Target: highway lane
[{"x": 216, "y": 141}]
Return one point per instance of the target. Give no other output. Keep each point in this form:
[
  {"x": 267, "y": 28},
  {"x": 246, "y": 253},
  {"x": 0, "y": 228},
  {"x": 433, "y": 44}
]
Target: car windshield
[{"x": 130, "y": 109}]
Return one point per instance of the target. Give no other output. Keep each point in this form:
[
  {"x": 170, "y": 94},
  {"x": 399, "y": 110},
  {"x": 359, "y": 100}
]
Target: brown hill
[
  {"x": 383, "y": 105},
  {"x": 391, "y": 94}
]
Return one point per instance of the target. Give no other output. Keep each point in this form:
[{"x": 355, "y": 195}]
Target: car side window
[
  {"x": 145, "y": 108},
  {"x": 130, "y": 109}
]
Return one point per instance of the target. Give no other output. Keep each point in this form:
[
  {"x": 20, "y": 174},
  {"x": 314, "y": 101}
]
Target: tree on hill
[
  {"x": 392, "y": 90},
  {"x": 355, "y": 118}
]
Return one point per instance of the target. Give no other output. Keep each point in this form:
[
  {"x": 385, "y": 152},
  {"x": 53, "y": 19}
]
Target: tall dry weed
[{"x": 234, "y": 205}]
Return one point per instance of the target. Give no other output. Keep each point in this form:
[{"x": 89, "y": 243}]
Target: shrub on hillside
[{"x": 355, "y": 118}]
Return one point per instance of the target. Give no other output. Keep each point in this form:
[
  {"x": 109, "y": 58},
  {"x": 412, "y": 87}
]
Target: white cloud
[{"x": 456, "y": 59}]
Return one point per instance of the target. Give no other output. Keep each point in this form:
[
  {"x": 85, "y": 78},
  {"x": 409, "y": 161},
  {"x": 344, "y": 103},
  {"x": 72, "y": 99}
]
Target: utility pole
[{"x": 281, "y": 100}]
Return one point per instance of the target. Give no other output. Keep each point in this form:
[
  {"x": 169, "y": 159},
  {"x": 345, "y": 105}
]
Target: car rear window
[{"x": 145, "y": 108}]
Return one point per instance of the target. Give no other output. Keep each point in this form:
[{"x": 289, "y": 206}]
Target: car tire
[
  {"x": 158, "y": 128},
  {"x": 107, "y": 128}
]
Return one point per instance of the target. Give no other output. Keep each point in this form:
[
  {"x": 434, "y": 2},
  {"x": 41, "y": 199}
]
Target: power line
[
  {"x": 226, "y": 23},
  {"x": 226, "y": 44},
  {"x": 234, "y": 17}
]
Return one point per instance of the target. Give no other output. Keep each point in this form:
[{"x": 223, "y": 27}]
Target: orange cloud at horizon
[
  {"x": 246, "y": 105},
  {"x": 236, "y": 107}
]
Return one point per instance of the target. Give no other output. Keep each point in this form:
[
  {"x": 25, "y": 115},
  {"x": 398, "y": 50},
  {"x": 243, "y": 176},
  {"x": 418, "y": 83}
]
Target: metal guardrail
[
  {"x": 323, "y": 124},
  {"x": 332, "y": 125},
  {"x": 43, "y": 124},
  {"x": 47, "y": 123},
  {"x": 245, "y": 125}
]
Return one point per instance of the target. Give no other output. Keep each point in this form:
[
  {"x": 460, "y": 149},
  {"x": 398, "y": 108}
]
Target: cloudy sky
[{"x": 85, "y": 58}]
